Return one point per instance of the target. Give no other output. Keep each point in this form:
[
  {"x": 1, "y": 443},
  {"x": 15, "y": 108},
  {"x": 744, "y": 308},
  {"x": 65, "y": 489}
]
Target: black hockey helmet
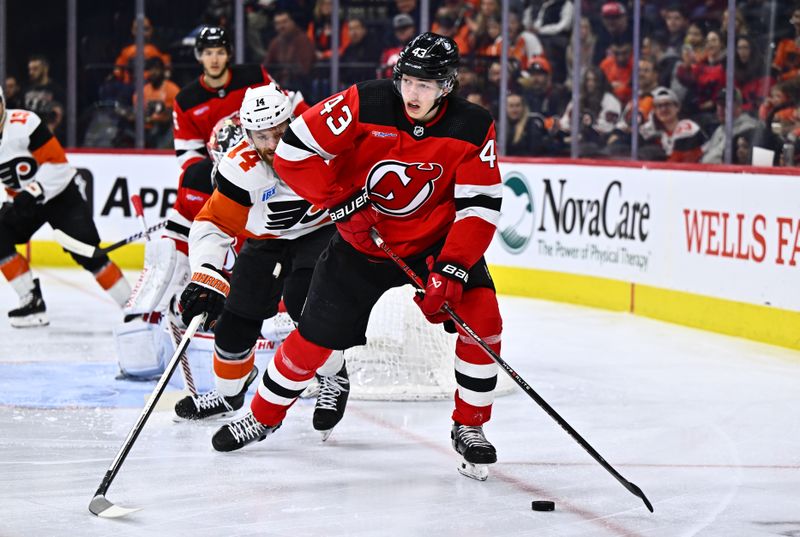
[
  {"x": 429, "y": 56},
  {"x": 211, "y": 37}
]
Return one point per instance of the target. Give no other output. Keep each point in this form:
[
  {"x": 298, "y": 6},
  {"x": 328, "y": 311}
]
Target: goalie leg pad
[
  {"x": 476, "y": 373},
  {"x": 162, "y": 270},
  {"x": 142, "y": 348}
]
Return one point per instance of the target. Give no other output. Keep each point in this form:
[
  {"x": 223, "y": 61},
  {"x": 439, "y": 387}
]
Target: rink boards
[{"x": 711, "y": 247}]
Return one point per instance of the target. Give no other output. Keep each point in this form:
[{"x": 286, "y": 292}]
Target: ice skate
[
  {"x": 212, "y": 405},
  {"x": 478, "y": 453},
  {"x": 31, "y": 311},
  {"x": 331, "y": 401},
  {"x": 240, "y": 432}
]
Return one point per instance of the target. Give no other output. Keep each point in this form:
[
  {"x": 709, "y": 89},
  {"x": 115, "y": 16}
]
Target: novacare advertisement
[{"x": 728, "y": 235}]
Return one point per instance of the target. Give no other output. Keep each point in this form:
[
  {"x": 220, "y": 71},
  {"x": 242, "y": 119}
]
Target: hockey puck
[{"x": 543, "y": 505}]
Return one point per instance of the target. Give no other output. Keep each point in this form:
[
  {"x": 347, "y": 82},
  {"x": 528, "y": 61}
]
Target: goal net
[{"x": 406, "y": 357}]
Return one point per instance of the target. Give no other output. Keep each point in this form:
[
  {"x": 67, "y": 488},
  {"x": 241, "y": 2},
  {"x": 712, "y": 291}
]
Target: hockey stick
[
  {"x": 100, "y": 506},
  {"x": 420, "y": 286},
  {"x": 174, "y": 331},
  {"x": 73, "y": 245}
]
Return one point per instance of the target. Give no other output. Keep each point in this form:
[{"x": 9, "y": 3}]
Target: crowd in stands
[{"x": 681, "y": 71}]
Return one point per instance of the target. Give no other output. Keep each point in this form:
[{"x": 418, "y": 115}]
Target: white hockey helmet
[{"x": 264, "y": 107}]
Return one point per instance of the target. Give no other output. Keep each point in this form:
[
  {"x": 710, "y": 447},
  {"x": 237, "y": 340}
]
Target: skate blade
[
  {"x": 31, "y": 321},
  {"x": 326, "y": 434},
  {"x": 211, "y": 419},
  {"x": 479, "y": 472}
]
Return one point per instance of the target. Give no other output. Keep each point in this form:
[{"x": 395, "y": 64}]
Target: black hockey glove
[
  {"x": 26, "y": 201},
  {"x": 354, "y": 218},
  {"x": 206, "y": 293}
]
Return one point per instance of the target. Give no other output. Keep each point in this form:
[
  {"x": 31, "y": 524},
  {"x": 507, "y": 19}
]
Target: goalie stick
[
  {"x": 420, "y": 286},
  {"x": 100, "y": 506},
  {"x": 174, "y": 331},
  {"x": 73, "y": 245}
]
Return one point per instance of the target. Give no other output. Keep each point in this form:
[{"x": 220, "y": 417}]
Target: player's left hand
[
  {"x": 28, "y": 198},
  {"x": 445, "y": 286}
]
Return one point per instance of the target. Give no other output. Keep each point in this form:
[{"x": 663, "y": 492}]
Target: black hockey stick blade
[
  {"x": 100, "y": 506},
  {"x": 420, "y": 286},
  {"x": 71, "y": 244}
]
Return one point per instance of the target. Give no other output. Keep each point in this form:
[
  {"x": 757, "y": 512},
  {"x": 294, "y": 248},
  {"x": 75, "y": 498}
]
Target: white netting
[{"x": 406, "y": 357}]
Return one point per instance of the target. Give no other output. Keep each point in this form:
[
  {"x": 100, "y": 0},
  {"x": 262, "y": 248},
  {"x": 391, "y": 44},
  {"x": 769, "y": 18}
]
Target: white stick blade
[
  {"x": 72, "y": 244},
  {"x": 100, "y": 506}
]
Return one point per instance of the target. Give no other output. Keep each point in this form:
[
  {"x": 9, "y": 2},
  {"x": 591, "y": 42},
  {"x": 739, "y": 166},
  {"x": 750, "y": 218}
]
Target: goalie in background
[
  {"x": 286, "y": 235},
  {"x": 42, "y": 187}
]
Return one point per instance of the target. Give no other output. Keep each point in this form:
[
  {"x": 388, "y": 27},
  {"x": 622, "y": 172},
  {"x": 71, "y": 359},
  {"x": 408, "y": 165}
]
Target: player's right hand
[
  {"x": 354, "y": 218},
  {"x": 206, "y": 293}
]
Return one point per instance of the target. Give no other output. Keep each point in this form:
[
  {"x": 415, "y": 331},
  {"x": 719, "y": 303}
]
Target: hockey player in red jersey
[
  {"x": 41, "y": 184},
  {"x": 418, "y": 163},
  {"x": 286, "y": 235}
]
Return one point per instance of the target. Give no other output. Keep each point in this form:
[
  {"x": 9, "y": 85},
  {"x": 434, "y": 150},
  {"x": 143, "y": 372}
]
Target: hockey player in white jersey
[
  {"x": 43, "y": 189},
  {"x": 286, "y": 236}
]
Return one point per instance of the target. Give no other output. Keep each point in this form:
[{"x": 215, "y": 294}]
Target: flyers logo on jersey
[
  {"x": 399, "y": 188},
  {"x": 16, "y": 170}
]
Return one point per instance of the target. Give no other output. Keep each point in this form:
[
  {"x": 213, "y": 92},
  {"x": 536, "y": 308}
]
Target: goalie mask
[{"x": 226, "y": 134}]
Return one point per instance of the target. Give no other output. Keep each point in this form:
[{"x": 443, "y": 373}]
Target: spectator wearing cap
[
  {"x": 404, "y": 31},
  {"x": 290, "y": 54},
  {"x": 618, "y": 68},
  {"x": 714, "y": 149},
  {"x": 553, "y": 25},
  {"x": 614, "y": 28},
  {"x": 319, "y": 30},
  {"x": 674, "y": 139},
  {"x": 545, "y": 99},
  {"x": 409, "y": 7}
]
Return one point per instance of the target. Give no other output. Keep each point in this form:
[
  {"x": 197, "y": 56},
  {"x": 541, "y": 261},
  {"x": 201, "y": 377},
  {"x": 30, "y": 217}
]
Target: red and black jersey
[
  {"x": 198, "y": 107},
  {"x": 428, "y": 180}
]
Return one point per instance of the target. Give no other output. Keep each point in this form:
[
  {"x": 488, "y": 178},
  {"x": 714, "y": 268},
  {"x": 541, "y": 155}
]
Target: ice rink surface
[{"x": 708, "y": 426}]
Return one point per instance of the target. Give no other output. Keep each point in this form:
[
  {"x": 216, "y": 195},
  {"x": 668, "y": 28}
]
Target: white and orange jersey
[
  {"x": 29, "y": 152},
  {"x": 250, "y": 200}
]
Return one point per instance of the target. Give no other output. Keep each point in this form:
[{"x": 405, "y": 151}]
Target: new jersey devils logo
[{"x": 398, "y": 188}]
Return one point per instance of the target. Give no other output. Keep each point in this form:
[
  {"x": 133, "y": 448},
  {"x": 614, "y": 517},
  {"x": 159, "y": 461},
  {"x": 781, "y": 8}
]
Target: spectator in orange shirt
[
  {"x": 319, "y": 30},
  {"x": 787, "y": 56},
  {"x": 123, "y": 66},
  {"x": 159, "y": 96},
  {"x": 450, "y": 23},
  {"x": 618, "y": 68}
]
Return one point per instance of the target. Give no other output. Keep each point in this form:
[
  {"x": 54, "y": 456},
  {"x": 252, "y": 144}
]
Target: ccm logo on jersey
[{"x": 399, "y": 188}]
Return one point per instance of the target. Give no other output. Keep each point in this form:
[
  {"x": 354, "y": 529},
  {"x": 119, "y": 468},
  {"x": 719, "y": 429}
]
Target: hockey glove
[
  {"x": 353, "y": 219},
  {"x": 206, "y": 293},
  {"x": 445, "y": 285},
  {"x": 27, "y": 199}
]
